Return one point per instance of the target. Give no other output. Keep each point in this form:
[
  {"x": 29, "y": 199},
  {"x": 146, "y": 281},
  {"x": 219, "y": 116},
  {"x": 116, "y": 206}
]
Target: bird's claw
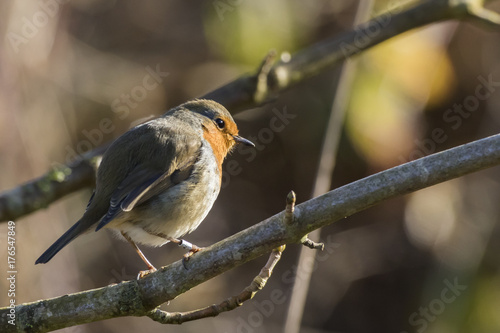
[
  {"x": 188, "y": 255},
  {"x": 142, "y": 274}
]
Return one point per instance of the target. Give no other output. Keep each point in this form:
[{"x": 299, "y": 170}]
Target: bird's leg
[
  {"x": 188, "y": 246},
  {"x": 143, "y": 257}
]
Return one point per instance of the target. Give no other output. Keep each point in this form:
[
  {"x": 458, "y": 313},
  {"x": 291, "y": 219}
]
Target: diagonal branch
[
  {"x": 139, "y": 298},
  {"x": 251, "y": 90}
]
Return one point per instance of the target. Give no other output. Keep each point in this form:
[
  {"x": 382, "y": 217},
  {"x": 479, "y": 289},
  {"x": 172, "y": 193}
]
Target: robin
[{"x": 158, "y": 181}]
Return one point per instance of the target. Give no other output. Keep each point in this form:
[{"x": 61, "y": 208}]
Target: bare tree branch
[
  {"x": 140, "y": 297},
  {"x": 56, "y": 183},
  {"x": 251, "y": 90}
]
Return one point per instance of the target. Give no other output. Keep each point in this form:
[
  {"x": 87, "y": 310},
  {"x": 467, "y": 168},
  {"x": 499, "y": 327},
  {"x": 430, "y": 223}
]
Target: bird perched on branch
[{"x": 158, "y": 181}]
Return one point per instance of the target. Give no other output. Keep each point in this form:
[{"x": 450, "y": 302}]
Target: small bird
[{"x": 158, "y": 181}]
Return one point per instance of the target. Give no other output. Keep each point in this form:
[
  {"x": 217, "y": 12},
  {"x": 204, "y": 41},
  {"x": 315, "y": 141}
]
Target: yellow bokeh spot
[{"x": 395, "y": 82}]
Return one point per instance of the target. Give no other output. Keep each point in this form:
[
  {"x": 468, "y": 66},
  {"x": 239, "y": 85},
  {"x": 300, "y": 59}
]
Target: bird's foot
[
  {"x": 142, "y": 274},
  {"x": 188, "y": 246},
  {"x": 188, "y": 255}
]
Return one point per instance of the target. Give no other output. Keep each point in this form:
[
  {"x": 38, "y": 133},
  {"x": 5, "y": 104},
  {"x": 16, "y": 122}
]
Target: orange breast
[{"x": 219, "y": 143}]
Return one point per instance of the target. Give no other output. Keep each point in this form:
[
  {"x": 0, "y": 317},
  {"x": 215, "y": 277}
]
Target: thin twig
[
  {"x": 290, "y": 208},
  {"x": 262, "y": 92},
  {"x": 312, "y": 244},
  {"x": 231, "y": 303}
]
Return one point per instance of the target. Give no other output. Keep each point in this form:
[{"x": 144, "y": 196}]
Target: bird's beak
[{"x": 244, "y": 141}]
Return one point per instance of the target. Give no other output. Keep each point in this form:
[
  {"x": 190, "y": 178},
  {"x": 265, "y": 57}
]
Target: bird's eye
[{"x": 220, "y": 123}]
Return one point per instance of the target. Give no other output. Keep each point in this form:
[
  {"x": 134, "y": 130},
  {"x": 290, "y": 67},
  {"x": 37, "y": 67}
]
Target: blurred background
[{"x": 74, "y": 75}]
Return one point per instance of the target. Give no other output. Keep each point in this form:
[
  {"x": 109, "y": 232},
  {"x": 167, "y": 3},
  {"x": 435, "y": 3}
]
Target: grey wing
[
  {"x": 156, "y": 185},
  {"x": 131, "y": 189},
  {"x": 144, "y": 182}
]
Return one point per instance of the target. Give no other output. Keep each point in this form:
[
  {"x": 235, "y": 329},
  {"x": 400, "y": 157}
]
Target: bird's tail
[{"x": 67, "y": 237}]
